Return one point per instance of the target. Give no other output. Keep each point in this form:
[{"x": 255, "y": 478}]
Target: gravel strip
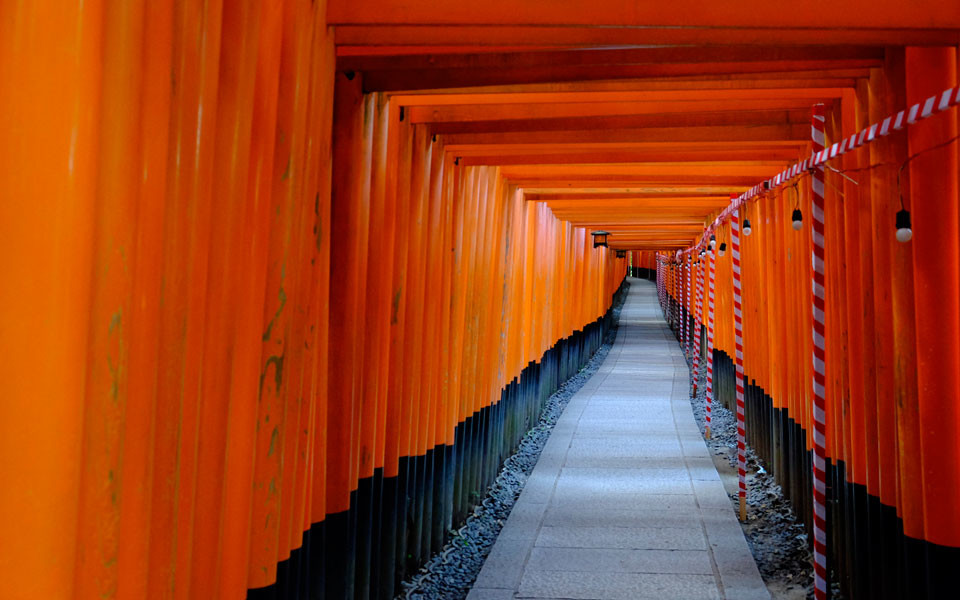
[
  {"x": 450, "y": 573},
  {"x": 777, "y": 539}
]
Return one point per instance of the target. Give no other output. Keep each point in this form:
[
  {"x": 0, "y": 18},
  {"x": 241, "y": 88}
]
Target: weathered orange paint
[{"x": 239, "y": 287}]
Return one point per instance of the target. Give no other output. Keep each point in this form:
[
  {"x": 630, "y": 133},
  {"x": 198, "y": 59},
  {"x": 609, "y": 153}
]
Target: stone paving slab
[
  {"x": 625, "y": 502},
  {"x": 617, "y": 586},
  {"x": 575, "y": 516},
  {"x": 611, "y": 560}
]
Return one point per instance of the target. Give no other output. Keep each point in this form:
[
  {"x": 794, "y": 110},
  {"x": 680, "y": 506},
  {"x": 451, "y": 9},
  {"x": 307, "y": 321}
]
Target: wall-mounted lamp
[
  {"x": 797, "y": 219},
  {"x": 599, "y": 238},
  {"x": 904, "y": 231},
  {"x": 746, "y": 227}
]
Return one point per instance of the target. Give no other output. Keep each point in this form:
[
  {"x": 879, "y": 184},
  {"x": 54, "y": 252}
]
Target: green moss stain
[
  {"x": 277, "y": 371},
  {"x": 396, "y": 307},
  {"x": 114, "y": 328},
  {"x": 277, "y": 362},
  {"x": 114, "y": 380},
  {"x": 318, "y": 228},
  {"x": 273, "y": 321},
  {"x": 274, "y": 436}
]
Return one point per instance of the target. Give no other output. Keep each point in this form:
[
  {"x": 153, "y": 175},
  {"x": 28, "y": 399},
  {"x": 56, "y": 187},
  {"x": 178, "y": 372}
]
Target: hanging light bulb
[
  {"x": 713, "y": 242},
  {"x": 723, "y": 248},
  {"x": 904, "y": 231},
  {"x": 797, "y": 219},
  {"x": 746, "y": 227}
]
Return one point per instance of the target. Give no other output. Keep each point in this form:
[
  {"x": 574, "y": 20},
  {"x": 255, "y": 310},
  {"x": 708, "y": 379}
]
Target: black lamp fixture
[
  {"x": 797, "y": 219},
  {"x": 723, "y": 248},
  {"x": 599, "y": 238},
  {"x": 621, "y": 253},
  {"x": 746, "y": 227},
  {"x": 904, "y": 230},
  {"x": 713, "y": 242}
]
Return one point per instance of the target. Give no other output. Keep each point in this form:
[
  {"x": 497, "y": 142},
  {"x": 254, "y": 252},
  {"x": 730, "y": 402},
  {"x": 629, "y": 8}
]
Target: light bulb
[
  {"x": 797, "y": 219},
  {"x": 723, "y": 248},
  {"x": 746, "y": 227},
  {"x": 904, "y": 232},
  {"x": 713, "y": 242}
]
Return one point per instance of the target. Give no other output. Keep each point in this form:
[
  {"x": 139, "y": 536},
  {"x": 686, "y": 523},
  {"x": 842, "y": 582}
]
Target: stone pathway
[{"x": 625, "y": 502}]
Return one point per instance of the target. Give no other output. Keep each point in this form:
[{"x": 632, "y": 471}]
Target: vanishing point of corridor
[{"x": 625, "y": 502}]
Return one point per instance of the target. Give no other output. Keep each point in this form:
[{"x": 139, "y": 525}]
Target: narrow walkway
[{"x": 625, "y": 502}]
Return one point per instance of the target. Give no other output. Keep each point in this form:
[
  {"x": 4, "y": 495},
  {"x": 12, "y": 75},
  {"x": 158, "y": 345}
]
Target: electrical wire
[{"x": 913, "y": 156}]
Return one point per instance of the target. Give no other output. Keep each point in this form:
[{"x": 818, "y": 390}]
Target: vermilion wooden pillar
[{"x": 936, "y": 266}]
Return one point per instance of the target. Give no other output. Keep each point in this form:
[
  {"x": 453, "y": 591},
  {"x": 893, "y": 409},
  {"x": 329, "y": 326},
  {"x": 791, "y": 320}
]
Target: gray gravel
[
  {"x": 451, "y": 572},
  {"x": 776, "y": 537}
]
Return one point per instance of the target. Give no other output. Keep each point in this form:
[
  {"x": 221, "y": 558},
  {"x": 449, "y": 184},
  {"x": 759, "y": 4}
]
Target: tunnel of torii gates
[{"x": 284, "y": 282}]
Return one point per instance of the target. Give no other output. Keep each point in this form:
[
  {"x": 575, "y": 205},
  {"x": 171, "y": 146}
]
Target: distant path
[{"x": 625, "y": 502}]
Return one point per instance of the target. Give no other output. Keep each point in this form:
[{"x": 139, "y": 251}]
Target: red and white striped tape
[
  {"x": 668, "y": 304},
  {"x": 698, "y": 326},
  {"x": 663, "y": 289},
  {"x": 666, "y": 298},
  {"x": 661, "y": 285},
  {"x": 930, "y": 107},
  {"x": 680, "y": 306},
  {"x": 738, "y": 338},
  {"x": 666, "y": 293},
  {"x": 660, "y": 268},
  {"x": 673, "y": 302},
  {"x": 686, "y": 308},
  {"x": 710, "y": 297},
  {"x": 686, "y": 322},
  {"x": 819, "y": 368}
]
